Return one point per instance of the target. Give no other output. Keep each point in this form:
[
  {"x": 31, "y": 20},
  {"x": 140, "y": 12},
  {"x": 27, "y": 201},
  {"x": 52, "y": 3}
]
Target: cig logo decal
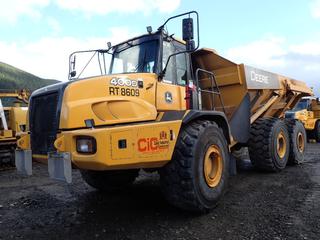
[{"x": 154, "y": 144}]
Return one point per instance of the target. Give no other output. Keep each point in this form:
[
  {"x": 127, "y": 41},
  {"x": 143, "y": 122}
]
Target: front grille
[{"x": 44, "y": 122}]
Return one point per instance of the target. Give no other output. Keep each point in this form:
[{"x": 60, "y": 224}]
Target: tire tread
[
  {"x": 177, "y": 176},
  {"x": 259, "y": 144}
]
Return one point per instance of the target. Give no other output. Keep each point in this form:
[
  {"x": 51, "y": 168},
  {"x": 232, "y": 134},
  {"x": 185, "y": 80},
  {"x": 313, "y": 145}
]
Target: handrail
[{"x": 214, "y": 88}]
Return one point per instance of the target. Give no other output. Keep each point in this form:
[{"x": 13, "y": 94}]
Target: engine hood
[{"x": 107, "y": 100}]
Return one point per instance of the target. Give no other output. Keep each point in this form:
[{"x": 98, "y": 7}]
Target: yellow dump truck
[
  {"x": 167, "y": 106},
  {"x": 307, "y": 111},
  {"x": 13, "y": 116}
]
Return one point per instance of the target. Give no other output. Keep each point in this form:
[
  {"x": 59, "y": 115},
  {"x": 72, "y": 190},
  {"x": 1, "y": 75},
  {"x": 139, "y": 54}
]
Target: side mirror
[
  {"x": 187, "y": 36},
  {"x": 187, "y": 29},
  {"x": 72, "y": 67},
  {"x": 73, "y": 74},
  {"x": 187, "y": 33}
]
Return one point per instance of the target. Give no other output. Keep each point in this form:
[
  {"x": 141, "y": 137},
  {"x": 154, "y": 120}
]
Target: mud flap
[
  {"x": 59, "y": 166},
  {"x": 23, "y": 161}
]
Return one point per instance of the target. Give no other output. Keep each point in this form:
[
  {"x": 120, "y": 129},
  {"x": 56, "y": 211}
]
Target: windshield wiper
[
  {"x": 87, "y": 64},
  {"x": 141, "y": 64}
]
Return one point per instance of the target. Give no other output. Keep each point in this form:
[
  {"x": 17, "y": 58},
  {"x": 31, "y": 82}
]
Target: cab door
[{"x": 171, "y": 91}]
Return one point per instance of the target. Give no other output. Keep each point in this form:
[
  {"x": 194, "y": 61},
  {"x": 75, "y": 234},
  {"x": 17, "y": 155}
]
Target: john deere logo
[
  {"x": 163, "y": 135},
  {"x": 168, "y": 97}
]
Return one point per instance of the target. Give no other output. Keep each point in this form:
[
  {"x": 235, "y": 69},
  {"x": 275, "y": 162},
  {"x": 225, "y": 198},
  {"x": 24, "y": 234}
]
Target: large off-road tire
[
  {"x": 197, "y": 176},
  {"x": 298, "y": 141},
  {"x": 316, "y": 131},
  {"x": 109, "y": 180},
  {"x": 269, "y": 144}
]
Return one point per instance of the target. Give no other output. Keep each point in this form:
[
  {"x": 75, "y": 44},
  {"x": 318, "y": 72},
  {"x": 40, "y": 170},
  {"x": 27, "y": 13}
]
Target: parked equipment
[
  {"x": 164, "y": 105},
  {"x": 13, "y": 115},
  {"x": 307, "y": 111}
]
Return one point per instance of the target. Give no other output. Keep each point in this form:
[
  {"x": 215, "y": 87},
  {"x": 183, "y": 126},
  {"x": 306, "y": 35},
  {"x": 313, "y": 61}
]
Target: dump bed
[{"x": 247, "y": 93}]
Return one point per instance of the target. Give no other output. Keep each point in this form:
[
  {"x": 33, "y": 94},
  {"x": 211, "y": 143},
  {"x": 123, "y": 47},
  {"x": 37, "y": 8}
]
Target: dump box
[{"x": 247, "y": 93}]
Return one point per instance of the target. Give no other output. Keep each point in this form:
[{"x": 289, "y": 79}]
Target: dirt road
[{"x": 257, "y": 206}]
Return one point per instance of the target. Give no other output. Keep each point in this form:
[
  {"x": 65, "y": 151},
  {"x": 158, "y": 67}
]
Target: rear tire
[
  {"x": 269, "y": 144},
  {"x": 197, "y": 176},
  {"x": 109, "y": 181},
  {"x": 316, "y": 131},
  {"x": 298, "y": 141}
]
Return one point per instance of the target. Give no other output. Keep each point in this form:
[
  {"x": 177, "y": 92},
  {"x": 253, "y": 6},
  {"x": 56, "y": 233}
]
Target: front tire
[{"x": 197, "y": 176}]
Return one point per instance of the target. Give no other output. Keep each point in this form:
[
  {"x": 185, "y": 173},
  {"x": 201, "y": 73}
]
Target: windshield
[
  {"x": 140, "y": 58},
  {"x": 303, "y": 104},
  {"x": 126, "y": 58}
]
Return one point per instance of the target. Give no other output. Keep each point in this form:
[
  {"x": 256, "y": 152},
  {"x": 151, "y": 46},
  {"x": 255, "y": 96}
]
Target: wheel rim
[
  {"x": 300, "y": 142},
  {"x": 281, "y": 145},
  {"x": 213, "y": 165}
]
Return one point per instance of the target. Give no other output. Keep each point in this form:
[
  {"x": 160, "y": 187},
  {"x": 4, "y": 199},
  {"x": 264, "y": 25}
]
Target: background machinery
[
  {"x": 163, "y": 105},
  {"x": 307, "y": 111},
  {"x": 13, "y": 116}
]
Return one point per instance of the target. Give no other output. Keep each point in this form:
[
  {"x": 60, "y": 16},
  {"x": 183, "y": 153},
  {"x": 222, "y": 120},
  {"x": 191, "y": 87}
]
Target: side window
[
  {"x": 168, "y": 49},
  {"x": 181, "y": 69}
]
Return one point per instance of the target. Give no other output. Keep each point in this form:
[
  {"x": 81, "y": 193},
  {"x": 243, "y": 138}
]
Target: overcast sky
[{"x": 280, "y": 36}]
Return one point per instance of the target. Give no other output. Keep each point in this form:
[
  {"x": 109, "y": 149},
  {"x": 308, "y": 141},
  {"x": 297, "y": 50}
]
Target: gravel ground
[{"x": 258, "y": 205}]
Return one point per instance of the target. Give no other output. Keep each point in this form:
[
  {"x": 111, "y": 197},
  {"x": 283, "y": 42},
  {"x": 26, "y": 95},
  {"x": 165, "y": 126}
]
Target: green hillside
[{"x": 14, "y": 78}]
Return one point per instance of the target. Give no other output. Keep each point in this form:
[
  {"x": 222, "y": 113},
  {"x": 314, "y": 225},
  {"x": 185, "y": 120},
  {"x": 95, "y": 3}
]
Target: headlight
[{"x": 87, "y": 145}]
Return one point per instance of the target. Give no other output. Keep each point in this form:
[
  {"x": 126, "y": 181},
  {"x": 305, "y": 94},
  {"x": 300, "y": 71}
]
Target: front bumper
[
  {"x": 142, "y": 146},
  {"x": 148, "y": 145}
]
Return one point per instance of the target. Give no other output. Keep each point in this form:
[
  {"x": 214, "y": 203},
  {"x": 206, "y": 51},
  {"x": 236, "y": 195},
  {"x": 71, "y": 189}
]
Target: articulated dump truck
[
  {"x": 307, "y": 111},
  {"x": 164, "y": 105},
  {"x": 13, "y": 116}
]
